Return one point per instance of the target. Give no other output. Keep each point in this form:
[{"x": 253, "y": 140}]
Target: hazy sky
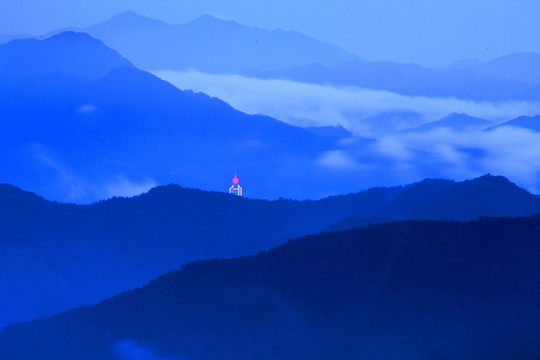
[{"x": 428, "y": 32}]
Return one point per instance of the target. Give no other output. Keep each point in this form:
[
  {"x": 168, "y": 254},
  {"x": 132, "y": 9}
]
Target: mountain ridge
[
  {"x": 375, "y": 292},
  {"x": 87, "y": 252},
  {"x": 82, "y": 56},
  {"x": 485, "y": 196},
  {"x": 129, "y": 241},
  {"x": 522, "y": 122},
  {"x": 239, "y": 47},
  {"x": 412, "y": 80}
]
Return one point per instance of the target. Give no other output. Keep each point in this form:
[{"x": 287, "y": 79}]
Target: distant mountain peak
[
  {"x": 72, "y": 35},
  {"x": 455, "y": 121},
  {"x": 208, "y": 20},
  {"x": 491, "y": 179},
  {"x": 524, "y": 122},
  {"x": 128, "y": 14},
  {"x": 129, "y": 19},
  {"x": 208, "y": 17},
  {"x": 70, "y": 53},
  {"x": 211, "y": 44}
]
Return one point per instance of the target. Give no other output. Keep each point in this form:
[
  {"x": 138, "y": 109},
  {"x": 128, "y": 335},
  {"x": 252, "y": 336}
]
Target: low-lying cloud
[
  {"x": 122, "y": 186},
  {"x": 508, "y": 151},
  {"x": 74, "y": 186},
  {"x": 305, "y": 104}
]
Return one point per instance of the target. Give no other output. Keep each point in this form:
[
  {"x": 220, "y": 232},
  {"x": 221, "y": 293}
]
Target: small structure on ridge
[{"x": 235, "y": 189}]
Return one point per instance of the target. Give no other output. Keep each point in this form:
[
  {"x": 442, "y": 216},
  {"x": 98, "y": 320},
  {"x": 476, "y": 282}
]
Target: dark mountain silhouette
[
  {"x": 406, "y": 290},
  {"x": 524, "y": 122},
  {"x": 484, "y": 196},
  {"x": 411, "y": 79},
  {"x": 489, "y": 196},
  {"x": 455, "y": 121},
  {"x": 211, "y": 45},
  {"x": 55, "y": 256},
  {"x": 83, "y": 123}
]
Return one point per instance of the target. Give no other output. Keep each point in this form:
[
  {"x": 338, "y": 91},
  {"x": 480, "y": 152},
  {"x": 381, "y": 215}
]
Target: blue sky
[{"x": 428, "y": 32}]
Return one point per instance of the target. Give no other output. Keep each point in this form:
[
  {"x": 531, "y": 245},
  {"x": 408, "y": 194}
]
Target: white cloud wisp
[{"x": 304, "y": 104}]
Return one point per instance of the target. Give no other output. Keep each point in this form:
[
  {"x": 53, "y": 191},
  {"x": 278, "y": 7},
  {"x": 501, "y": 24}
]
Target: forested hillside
[{"x": 405, "y": 290}]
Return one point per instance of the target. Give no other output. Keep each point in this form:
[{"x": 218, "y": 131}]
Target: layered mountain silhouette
[
  {"x": 471, "y": 83},
  {"x": 80, "y": 122},
  {"x": 84, "y": 124},
  {"x": 422, "y": 290},
  {"x": 213, "y": 45},
  {"x": 210, "y": 44},
  {"x": 85, "y": 120},
  {"x": 55, "y": 256},
  {"x": 489, "y": 196}
]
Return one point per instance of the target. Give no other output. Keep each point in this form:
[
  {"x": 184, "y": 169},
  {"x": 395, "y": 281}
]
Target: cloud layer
[
  {"x": 508, "y": 151},
  {"x": 304, "y": 104}
]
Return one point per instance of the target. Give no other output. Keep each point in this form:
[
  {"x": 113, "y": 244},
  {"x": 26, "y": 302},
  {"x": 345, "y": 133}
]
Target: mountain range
[
  {"x": 85, "y": 120},
  {"x": 456, "y": 122},
  {"x": 489, "y": 196},
  {"x": 405, "y": 290},
  {"x": 520, "y": 67},
  {"x": 209, "y": 44},
  {"x": 212, "y": 45},
  {"x": 511, "y": 78},
  {"x": 70, "y": 54},
  {"x": 55, "y": 256},
  {"x": 437, "y": 269},
  {"x": 85, "y": 124}
]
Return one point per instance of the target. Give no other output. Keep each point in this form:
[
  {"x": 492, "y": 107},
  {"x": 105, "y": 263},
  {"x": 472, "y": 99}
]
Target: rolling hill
[
  {"x": 55, "y": 256},
  {"x": 405, "y": 290}
]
